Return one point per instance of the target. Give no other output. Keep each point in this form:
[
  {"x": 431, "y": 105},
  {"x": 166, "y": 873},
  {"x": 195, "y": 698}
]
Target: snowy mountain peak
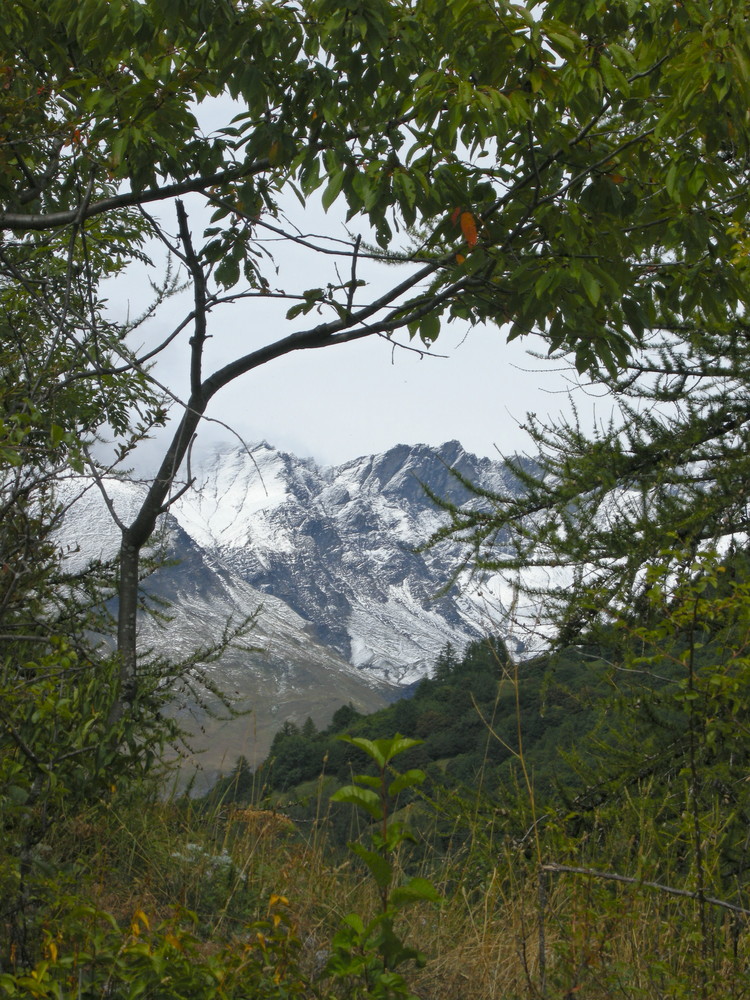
[
  {"x": 346, "y": 608},
  {"x": 338, "y": 545}
]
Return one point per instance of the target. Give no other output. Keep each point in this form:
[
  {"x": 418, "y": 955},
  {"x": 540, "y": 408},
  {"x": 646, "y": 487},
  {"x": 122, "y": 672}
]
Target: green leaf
[
  {"x": 354, "y": 921},
  {"x": 56, "y": 435},
  {"x": 363, "y": 797},
  {"x": 370, "y": 780},
  {"x": 17, "y": 795},
  {"x": 544, "y": 281},
  {"x": 562, "y": 42},
  {"x": 369, "y": 747},
  {"x": 409, "y": 779},
  {"x": 591, "y": 286},
  {"x": 429, "y": 328},
  {"x": 296, "y": 310},
  {"x": 378, "y": 866},
  {"x": 333, "y": 188},
  {"x": 414, "y": 890},
  {"x": 228, "y": 271},
  {"x": 397, "y": 744},
  {"x": 672, "y": 178},
  {"x": 384, "y": 750}
]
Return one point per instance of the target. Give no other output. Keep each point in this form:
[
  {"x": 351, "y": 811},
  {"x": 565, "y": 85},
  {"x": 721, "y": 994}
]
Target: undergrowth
[
  {"x": 630, "y": 885},
  {"x": 170, "y": 900}
]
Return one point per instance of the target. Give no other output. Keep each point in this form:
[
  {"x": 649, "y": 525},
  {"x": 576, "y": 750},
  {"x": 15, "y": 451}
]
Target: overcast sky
[
  {"x": 337, "y": 403},
  {"x": 354, "y": 399}
]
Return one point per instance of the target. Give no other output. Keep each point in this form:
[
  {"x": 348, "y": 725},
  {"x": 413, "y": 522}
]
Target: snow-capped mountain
[
  {"x": 272, "y": 671},
  {"x": 337, "y": 544},
  {"x": 324, "y": 558}
]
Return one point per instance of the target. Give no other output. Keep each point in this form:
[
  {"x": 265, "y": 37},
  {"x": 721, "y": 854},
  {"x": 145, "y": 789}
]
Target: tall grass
[{"x": 508, "y": 926}]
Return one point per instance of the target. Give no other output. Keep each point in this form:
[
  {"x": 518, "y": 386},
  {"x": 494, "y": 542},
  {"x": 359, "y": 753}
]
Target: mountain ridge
[
  {"x": 339, "y": 545},
  {"x": 347, "y": 609}
]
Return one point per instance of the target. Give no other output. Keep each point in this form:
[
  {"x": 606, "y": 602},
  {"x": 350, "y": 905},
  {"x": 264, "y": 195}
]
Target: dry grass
[
  {"x": 597, "y": 943},
  {"x": 494, "y": 937}
]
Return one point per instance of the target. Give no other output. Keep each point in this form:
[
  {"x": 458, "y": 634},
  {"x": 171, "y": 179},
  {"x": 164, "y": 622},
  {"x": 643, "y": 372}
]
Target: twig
[
  {"x": 614, "y": 877},
  {"x": 541, "y": 930},
  {"x": 21, "y": 743},
  {"x": 187, "y": 485},
  {"x": 353, "y": 282},
  {"x": 199, "y": 289},
  {"x": 105, "y": 496}
]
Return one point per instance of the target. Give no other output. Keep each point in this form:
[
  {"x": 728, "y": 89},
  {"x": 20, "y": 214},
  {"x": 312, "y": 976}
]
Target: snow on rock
[
  {"x": 338, "y": 544},
  {"x": 345, "y": 608},
  {"x": 328, "y": 553}
]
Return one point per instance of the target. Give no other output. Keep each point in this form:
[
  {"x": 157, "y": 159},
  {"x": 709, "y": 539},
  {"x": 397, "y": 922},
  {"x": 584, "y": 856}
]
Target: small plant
[
  {"x": 366, "y": 954},
  {"x": 89, "y": 955}
]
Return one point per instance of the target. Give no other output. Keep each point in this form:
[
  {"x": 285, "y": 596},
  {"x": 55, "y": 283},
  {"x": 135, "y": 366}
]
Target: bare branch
[
  {"x": 353, "y": 280},
  {"x": 199, "y": 291},
  {"x": 96, "y": 476},
  {"x": 614, "y": 877}
]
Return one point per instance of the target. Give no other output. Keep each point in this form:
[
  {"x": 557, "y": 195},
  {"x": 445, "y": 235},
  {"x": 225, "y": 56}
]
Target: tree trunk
[{"x": 134, "y": 538}]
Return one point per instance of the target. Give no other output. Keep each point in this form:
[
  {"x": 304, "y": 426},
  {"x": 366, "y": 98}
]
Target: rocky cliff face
[
  {"x": 337, "y": 545},
  {"x": 276, "y": 670}
]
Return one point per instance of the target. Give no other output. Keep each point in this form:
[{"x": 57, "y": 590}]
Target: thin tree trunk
[
  {"x": 156, "y": 502},
  {"x": 134, "y": 538}
]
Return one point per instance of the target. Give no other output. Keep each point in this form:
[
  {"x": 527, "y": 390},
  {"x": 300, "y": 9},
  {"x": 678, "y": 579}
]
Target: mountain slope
[
  {"x": 338, "y": 545},
  {"x": 276, "y": 671},
  {"x": 325, "y": 559}
]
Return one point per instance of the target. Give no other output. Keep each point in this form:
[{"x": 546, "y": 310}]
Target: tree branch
[
  {"x": 129, "y": 199},
  {"x": 614, "y": 877},
  {"x": 199, "y": 292}
]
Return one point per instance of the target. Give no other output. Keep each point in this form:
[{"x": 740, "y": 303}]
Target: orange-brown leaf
[{"x": 469, "y": 228}]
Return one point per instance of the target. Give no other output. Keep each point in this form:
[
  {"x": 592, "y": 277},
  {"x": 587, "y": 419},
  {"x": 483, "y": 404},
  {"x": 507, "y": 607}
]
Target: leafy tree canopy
[
  {"x": 575, "y": 171},
  {"x": 571, "y": 169},
  {"x": 667, "y": 474}
]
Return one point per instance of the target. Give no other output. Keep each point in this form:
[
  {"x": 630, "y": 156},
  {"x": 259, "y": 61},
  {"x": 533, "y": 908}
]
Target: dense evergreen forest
[
  {"x": 657, "y": 719},
  {"x": 473, "y": 715}
]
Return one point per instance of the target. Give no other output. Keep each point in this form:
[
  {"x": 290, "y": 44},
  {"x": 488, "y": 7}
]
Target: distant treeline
[{"x": 474, "y": 714}]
